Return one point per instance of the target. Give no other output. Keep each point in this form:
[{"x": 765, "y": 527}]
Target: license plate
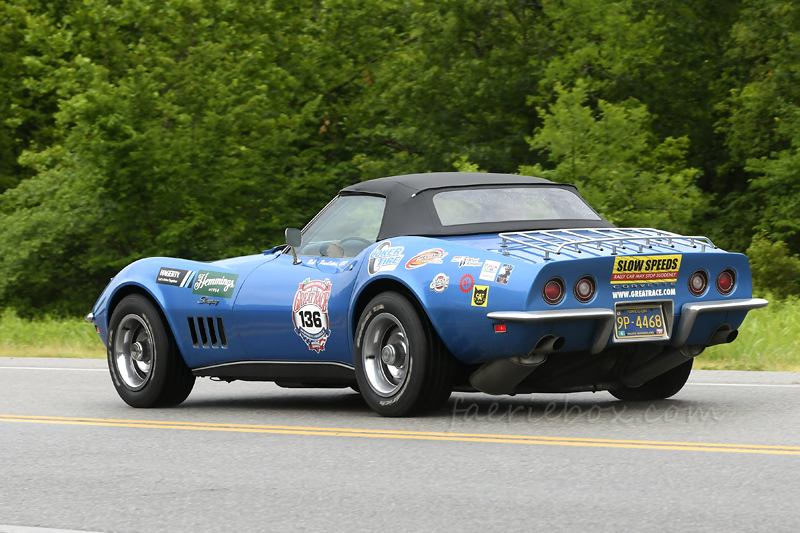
[{"x": 640, "y": 322}]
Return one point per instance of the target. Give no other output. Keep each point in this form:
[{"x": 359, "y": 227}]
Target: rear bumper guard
[
  {"x": 606, "y": 317},
  {"x": 690, "y": 311}
]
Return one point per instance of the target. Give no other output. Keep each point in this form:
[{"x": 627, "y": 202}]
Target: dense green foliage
[{"x": 131, "y": 128}]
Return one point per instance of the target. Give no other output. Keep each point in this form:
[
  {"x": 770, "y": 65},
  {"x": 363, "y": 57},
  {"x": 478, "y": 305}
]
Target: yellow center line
[{"x": 403, "y": 434}]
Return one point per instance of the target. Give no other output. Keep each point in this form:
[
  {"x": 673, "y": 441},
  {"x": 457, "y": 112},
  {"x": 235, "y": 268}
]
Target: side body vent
[{"x": 207, "y": 332}]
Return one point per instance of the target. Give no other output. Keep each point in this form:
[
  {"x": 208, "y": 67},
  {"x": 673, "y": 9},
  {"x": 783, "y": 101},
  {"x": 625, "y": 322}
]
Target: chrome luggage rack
[{"x": 554, "y": 241}]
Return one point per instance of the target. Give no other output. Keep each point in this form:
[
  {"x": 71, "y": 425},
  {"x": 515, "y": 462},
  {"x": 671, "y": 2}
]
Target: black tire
[
  {"x": 423, "y": 381},
  {"x": 159, "y": 377},
  {"x": 661, "y": 387}
]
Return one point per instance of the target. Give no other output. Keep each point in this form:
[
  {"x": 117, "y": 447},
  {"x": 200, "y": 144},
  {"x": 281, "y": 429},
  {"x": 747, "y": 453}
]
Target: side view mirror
[{"x": 294, "y": 239}]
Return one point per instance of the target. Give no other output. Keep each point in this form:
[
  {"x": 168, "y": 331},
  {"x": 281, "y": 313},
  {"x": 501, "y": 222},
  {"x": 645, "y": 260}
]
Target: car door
[{"x": 289, "y": 311}]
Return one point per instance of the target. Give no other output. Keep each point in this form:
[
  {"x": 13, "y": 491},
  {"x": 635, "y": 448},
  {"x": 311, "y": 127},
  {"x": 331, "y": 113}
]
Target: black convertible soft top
[{"x": 410, "y": 210}]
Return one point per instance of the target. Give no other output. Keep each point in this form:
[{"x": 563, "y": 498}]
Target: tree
[{"x": 620, "y": 167}]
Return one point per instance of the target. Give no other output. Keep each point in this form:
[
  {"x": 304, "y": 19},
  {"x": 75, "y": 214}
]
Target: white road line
[
  {"x": 51, "y": 368},
  {"x": 795, "y": 386},
  {"x": 23, "y": 529}
]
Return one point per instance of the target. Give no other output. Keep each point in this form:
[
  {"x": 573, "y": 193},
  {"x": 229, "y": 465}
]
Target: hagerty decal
[
  {"x": 440, "y": 282},
  {"x": 433, "y": 256},
  {"x": 215, "y": 284},
  {"x": 310, "y": 313},
  {"x": 647, "y": 269},
  {"x": 174, "y": 276},
  {"x": 385, "y": 257}
]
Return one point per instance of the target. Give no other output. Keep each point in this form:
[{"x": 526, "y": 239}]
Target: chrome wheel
[
  {"x": 133, "y": 351},
  {"x": 385, "y": 355}
]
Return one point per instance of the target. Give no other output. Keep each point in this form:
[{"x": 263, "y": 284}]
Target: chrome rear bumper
[{"x": 606, "y": 317}]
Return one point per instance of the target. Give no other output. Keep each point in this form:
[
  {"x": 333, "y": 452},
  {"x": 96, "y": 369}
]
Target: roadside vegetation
[
  {"x": 769, "y": 339},
  {"x": 48, "y": 337}
]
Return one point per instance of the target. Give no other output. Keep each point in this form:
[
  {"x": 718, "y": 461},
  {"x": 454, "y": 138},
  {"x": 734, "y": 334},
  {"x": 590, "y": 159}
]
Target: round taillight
[
  {"x": 726, "y": 281},
  {"x": 698, "y": 282},
  {"x": 553, "y": 291},
  {"x": 584, "y": 289}
]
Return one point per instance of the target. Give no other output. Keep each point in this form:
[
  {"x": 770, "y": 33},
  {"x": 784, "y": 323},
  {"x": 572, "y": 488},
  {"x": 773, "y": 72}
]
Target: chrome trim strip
[
  {"x": 237, "y": 363},
  {"x": 690, "y": 311},
  {"x": 604, "y": 316}
]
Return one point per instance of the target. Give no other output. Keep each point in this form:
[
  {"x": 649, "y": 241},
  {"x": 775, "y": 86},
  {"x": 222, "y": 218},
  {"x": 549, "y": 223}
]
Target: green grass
[
  {"x": 769, "y": 339},
  {"x": 48, "y": 337}
]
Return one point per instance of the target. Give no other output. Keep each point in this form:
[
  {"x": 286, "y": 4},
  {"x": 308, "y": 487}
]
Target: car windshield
[
  {"x": 344, "y": 228},
  {"x": 474, "y": 206}
]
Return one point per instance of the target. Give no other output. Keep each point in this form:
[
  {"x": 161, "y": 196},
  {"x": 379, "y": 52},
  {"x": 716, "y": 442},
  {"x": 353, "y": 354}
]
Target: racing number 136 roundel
[{"x": 310, "y": 313}]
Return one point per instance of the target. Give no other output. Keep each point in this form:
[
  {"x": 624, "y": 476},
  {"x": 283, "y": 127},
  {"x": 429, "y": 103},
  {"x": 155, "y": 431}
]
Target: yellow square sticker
[
  {"x": 480, "y": 295},
  {"x": 646, "y": 269}
]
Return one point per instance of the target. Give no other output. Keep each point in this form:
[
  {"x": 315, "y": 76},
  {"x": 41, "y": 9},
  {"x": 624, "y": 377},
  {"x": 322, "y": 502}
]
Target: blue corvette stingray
[{"x": 408, "y": 288}]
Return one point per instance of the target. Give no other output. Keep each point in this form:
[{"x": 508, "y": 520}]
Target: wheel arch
[
  {"x": 131, "y": 289},
  {"x": 376, "y": 287}
]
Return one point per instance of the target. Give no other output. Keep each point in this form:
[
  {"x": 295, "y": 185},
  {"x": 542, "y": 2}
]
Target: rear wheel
[
  {"x": 146, "y": 368},
  {"x": 402, "y": 366},
  {"x": 666, "y": 385}
]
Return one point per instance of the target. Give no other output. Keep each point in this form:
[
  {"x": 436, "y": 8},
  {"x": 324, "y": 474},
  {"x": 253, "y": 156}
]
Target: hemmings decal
[
  {"x": 385, "y": 257},
  {"x": 465, "y": 261},
  {"x": 440, "y": 282},
  {"x": 174, "y": 276},
  {"x": 466, "y": 283},
  {"x": 647, "y": 269},
  {"x": 432, "y": 256},
  {"x": 480, "y": 295},
  {"x": 310, "y": 313},
  {"x": 504, "y": 273},
  {"x": 215, "y": 284},
  {"x": 489, "y": 270}
]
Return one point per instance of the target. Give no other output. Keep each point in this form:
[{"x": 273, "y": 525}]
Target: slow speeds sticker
[{"x": 647, "y": 269}]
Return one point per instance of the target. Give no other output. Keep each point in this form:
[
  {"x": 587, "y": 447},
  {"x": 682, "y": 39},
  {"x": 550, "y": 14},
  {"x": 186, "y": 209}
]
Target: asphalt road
[{"x": 722, "y": 455}]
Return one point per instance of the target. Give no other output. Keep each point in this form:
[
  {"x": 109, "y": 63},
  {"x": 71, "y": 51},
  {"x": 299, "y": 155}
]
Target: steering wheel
[{"x": 354, "y": 238}]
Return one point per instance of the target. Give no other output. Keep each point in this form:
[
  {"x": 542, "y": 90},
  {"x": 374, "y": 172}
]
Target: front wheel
[
  {"x": 402, "y": 366},
  {"x": 661, "y": 387},
  {"x": 146, "y": 367}
]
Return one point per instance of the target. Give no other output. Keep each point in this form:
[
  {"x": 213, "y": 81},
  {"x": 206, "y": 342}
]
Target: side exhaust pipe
[
  {"x": 503, "y": 376},
  {"x": 723, "y": 335}
]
